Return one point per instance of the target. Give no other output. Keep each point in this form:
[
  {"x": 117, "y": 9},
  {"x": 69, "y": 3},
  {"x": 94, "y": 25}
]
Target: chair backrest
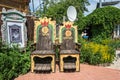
[
  {"x": 68, "y": 36},
  {"x": 45, "y": 33}
]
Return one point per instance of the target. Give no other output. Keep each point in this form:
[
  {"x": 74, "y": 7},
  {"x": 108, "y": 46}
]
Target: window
[
  {"x": 117, "y": 31},
  {"x": 15, "y": 33}
]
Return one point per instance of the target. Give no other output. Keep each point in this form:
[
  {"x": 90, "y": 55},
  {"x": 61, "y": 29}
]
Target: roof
[
  {"x": 108, "y": 3},
  {"x": 21, "y": 5}
]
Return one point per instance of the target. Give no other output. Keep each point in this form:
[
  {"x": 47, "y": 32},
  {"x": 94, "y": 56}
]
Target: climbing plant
[
  {"x": 101, "y": 21},
  {"x": 101, "y": 47}
]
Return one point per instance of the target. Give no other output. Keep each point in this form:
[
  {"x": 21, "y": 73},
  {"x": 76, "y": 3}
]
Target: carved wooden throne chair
[
  {"x": 69, "y": 49},
  {"x": 43, "y": 58}
]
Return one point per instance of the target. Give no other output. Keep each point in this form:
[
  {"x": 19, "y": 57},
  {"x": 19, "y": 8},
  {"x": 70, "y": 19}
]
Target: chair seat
[
  {"x": 43, "y": 52},
  {"x": 69, "y": 52}
]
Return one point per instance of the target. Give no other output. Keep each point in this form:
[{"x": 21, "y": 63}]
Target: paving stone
[{"x": 87, "y": 72}]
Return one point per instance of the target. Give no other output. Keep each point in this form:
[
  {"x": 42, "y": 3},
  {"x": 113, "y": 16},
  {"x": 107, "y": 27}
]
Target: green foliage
[
  {"x": 56, "y": 12},
  {"x": 13, "y": 62},
  {"x": 102, "y": 47},
  {"x": 95, "y": 53},
  {"x": 106, "y": 14},
  {"x": 57, "y": 9},
  {"x": 82, "y": 23},
  {"x": 101, "y": 21},
  {"x": 114, "y": 43}
]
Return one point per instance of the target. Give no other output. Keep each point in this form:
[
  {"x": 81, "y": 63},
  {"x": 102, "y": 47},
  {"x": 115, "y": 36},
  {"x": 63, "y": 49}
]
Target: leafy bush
[
  {"x": 13, "y": 62},
  {"x": 114, "y": 43},
  {"x": 101, "y": 23},
  {"x": 94, "y": 53}
]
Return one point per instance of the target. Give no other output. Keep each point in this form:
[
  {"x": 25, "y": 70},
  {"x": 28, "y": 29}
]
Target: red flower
[
  {"x": 68, "y": 26},
  {"x": 45, "y": 23}
]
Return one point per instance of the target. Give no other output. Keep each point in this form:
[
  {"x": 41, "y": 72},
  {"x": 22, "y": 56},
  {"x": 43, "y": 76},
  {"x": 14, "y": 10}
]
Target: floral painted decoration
[
  {"x": 68, "y": 26},
  {"x": 44, "y": 22}
]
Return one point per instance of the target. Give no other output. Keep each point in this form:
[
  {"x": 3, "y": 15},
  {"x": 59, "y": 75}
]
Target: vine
[{"x": 102, "y": 21}]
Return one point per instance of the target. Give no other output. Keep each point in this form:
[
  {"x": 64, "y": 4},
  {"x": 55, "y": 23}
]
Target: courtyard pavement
[{"x": 87, "y": 72}]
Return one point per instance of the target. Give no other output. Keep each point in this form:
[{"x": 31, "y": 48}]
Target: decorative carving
[
  {"x": 45, "y": 34},
  {"x": 68, "y": 37},
  {"x": 13, "y": 10},
  {"x": 45, "y": 23},
  {"x": 45, "y": 30},
  {"x": 43, "y": 56},
  {"x": 3, "y": 10},
  {"x": 68, "y": 25},
  {"x": 77, "y": 63},
  {"x": 70, "y": 32},
  {"x": 13, "y": 29}
]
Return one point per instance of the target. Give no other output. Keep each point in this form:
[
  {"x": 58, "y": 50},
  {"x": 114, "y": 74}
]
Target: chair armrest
[
  {"x": 78, "y": 46},
  {"x": 56, "y": 46},
  {"x": 33, "y": 46}
]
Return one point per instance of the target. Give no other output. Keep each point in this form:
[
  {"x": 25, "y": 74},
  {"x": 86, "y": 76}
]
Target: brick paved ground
[{"x": 87, "y": 72}]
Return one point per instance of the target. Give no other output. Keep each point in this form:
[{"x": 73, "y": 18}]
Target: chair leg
[
  {"x": 77, "y": 63},
  {"x": 53, "y": 64},
  {"x": 32, "y": 64},
  {"x": 61, "y": 63}
]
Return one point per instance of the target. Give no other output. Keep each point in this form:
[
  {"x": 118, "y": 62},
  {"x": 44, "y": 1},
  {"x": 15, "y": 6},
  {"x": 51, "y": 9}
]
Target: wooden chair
[
  {"x": 69, "y": 49},
  {"x": 43, "y": 58}
]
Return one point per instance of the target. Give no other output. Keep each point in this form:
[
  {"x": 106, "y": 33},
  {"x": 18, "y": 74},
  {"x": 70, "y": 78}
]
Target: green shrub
[
  {"x": 94, "y": 53},
  {"x": 13, "y": 62},
  {"x": 114, "y": 43},
  {"x": 101, "y": 22}
]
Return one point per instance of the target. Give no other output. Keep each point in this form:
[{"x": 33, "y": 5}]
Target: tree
[
  {"x": 56, "y": 9},
  {"x": 102, "y": 21}
]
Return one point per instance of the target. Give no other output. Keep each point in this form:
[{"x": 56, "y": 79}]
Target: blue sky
[
  {"x": 36, "y": 4},
  {"x": 91, "y": 7},
  {"x": 93, "y": 4}
]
